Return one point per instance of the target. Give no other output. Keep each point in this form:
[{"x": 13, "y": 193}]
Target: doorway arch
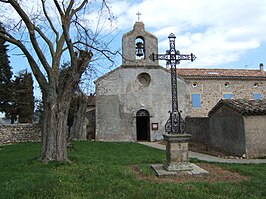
[{"x": 143, "y": 125}]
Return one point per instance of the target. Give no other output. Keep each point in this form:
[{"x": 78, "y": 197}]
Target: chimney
[{"x": 261, "y": 67}]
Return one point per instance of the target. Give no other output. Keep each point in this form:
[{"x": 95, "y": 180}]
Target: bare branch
[
  {"x": 49, "y": 20},
  {"x": 65, "y": 20},
  {"x": 58, "y": 8},
  {"x": 74, "y": 11},
  {"x": 49, "y": 43},
  {"x": 30, "y": 26},
  {"x": 69, "y": 8},
  {"x": 34, "y": 66}
]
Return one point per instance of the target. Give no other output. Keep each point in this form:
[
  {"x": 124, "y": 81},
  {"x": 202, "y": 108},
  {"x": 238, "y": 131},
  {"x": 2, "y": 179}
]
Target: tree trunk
[
  {"x": 54, "y": 129},
  {"x": 79, "y": 130}
]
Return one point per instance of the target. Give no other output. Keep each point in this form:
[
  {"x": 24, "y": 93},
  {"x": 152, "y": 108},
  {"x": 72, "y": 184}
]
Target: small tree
[
  {"x": 23, "y": 88},
  {"x": 45, "y": 38}
]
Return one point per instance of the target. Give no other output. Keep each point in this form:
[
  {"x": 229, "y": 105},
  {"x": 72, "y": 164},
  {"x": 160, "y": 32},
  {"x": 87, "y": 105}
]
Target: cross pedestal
[
  {"x": 177, "y": 159},
  {"x": 177, "y": 152}
]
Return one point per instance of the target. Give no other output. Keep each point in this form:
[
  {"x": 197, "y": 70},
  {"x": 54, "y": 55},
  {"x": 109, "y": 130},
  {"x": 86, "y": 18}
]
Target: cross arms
[{"x": 169, "y": 57}]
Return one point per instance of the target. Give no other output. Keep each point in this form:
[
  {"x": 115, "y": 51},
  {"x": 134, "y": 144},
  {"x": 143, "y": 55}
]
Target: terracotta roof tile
[
  {"x": 242, "y": 106},
  {"x": 204, "y": 72}
]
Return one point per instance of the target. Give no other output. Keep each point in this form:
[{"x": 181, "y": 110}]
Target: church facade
[{"x": 133, "y": 100}]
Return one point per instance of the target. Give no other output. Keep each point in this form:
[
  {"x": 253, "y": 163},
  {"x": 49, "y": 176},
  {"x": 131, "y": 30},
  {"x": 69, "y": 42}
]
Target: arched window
[{"x": 140, "y": 48}]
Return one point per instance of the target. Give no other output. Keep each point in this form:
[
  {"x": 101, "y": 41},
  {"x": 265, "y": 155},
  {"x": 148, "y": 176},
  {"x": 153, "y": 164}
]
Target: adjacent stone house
[
  {"x": 208, "y": 86},
  {"x": 239, "y": 127}
]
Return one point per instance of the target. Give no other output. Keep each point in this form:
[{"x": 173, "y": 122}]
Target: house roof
[
  {"x": 204, "y": 73},
  {"x": 243, "y": 106},
  {"x": 91, "y": 100}
]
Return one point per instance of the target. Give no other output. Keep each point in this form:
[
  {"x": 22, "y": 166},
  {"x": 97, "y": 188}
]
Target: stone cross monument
[{"x": 176, "y": 138}]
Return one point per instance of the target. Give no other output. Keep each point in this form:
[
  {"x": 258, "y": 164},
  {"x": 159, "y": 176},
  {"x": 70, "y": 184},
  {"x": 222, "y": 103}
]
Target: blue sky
[{"x": 221, "y": 33}]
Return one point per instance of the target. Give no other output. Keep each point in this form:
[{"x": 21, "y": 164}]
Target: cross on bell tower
[
  {"x": 138, "y": 13},
  {"x": 137, "y": 45},
  {"x": 175, "y": 124}
]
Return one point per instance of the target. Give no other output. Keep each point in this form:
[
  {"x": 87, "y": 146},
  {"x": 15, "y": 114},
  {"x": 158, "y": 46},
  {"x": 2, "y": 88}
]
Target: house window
[
  {"x": 195, "y": 98},
  {"x": 226, "y": 84},
  {"x": 228, "y": 96},
  {"x": 257, "y": 96},
  {"x": 256, "y": 84},
  {"x": 195, "y": 84}
]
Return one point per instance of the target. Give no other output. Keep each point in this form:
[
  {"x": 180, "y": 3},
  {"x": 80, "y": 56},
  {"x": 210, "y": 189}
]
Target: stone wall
[
  {"x": 255, "y": 136},
  {"x": 212, "y": 90},
  {"x": 198, "y": 127},
  {"x": 14, "y": 133},
  {"x": 227, "y": 131}
]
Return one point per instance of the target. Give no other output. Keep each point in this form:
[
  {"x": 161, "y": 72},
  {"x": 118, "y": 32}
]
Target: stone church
[{"x": 133, "y": 100}]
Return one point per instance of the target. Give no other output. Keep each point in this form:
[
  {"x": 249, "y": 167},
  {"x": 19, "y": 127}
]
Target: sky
[{"x": 221, "y": 33}]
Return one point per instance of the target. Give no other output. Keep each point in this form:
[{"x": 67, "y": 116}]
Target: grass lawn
[{"x": 102, "y": 170}]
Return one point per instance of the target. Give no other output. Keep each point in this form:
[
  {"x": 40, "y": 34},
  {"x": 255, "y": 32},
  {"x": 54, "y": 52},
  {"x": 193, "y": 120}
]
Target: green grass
[{"x": 102, "y": 170}]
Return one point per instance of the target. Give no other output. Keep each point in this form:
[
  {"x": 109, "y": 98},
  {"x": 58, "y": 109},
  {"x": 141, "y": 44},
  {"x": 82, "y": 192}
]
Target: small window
[
  {"x": 228, "y": 96},
  {"x": 226, "y": 84},
  {"x": 195, "y": 84},
  {"x": 144, "y": 79},
  {"x": 195, "y": 99},
  {"x": 257, "y": 96},
  {"x": 256, "y": 84}
]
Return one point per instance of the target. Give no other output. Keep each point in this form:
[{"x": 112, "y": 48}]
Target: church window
[
  {"x": 140, "y": 48},
  {"x": 257, "y": 96},
  {"x": 195, "y": 99},
  {"x": 228, "y": 96},
  {"x": 144, "y": 79}
]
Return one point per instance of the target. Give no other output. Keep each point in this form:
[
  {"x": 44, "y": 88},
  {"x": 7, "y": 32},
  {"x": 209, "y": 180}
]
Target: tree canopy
[{"x": 5, "y": 77}]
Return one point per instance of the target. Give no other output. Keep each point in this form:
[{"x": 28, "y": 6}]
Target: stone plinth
[
  {"x": 177, "y": 152},
  {"x": 177, "y": 159}
]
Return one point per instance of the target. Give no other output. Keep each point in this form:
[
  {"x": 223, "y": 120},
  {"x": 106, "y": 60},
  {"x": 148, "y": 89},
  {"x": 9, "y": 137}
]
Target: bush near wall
[{"x": 14, "y": 133}]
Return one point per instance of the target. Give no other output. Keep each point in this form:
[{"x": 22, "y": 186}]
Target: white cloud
[{"x": 218, "y": 32}]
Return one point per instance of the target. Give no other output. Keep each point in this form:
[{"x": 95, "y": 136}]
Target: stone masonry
[
  {"x": 14, "y": 133},
  {"x": 212, "y": 90}
]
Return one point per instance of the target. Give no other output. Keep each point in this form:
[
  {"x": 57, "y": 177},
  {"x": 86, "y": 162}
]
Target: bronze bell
[{"x": 139, "y": 49}]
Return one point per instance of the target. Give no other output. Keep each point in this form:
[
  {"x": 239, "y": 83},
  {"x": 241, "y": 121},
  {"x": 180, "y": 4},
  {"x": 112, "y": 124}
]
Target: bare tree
[{"x": 45, "y": 38}]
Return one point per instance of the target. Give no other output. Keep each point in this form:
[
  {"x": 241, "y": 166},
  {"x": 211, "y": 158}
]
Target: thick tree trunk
[
  {"x": 54, "y": 129},
  {"x": 56, "y": 101}
]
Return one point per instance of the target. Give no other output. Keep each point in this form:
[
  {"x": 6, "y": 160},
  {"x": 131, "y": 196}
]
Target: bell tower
[{"x": 137, "y": 46}]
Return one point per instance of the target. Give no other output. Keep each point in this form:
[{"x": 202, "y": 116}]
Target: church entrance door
[{"x": 143, "y": 125}]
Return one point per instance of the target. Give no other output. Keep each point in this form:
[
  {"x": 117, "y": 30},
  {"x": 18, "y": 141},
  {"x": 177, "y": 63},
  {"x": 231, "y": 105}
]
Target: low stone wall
[{"x": 14, "y": 133}]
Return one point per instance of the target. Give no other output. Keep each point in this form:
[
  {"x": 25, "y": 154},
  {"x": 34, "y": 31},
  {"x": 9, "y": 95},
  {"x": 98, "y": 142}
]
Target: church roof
[
  {"x": 243, "y": 106},
  {"x": 204, "y": 73}
]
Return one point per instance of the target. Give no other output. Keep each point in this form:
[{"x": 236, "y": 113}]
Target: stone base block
[
  {"x": 184, "y": 166},
  {"x": 194, "y": 170}
]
